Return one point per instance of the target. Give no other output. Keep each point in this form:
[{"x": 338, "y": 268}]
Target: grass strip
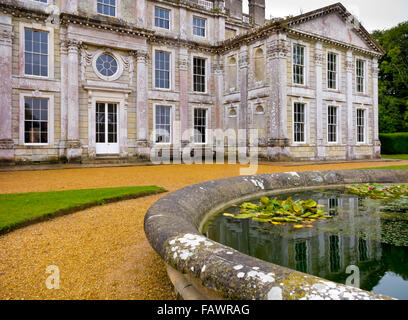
[{"x": 21, "y": 209}]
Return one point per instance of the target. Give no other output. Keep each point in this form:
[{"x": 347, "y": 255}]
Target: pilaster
[
  {"x": 318, "y": 59},
  {"x": 6, "y": 137},
  {"x": 243, "y": 86},
  {"x": 277, "y": 53},
  {"x": 142, "y": 59},
  {"x": 376, "y": 140},
  {"x": 349, "y": 99},
  {"x": 74, "y": 150}
]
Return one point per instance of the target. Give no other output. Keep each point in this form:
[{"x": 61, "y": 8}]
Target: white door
[{"x": 107, "y": 128}]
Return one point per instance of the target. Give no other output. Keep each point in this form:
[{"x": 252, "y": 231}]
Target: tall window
[
  {"x": 162, "y": 124},
  {"x": 335, "y": 259},
  {"x": 299, "y": 122},
  {"x": 35, "y": 53},
  {"x": 200, "y": 125},
  {"x": 332, "y": 70},
  {"x": 361, "y": 125},
  {"x": 199, "y": 75},
  {"x": 162, "y": 70},
  {"x": 360, "y": 75},
  {"x": 107, "y": 7},
  {"x": 161, "y": 18},
  {"x": 35, "y": 120},
  {"x": 298, "y": 64},
  {"x": 301, "y": 256},
  {"x": 199, "y": 26},
  {"x": 332, "y": 124}
]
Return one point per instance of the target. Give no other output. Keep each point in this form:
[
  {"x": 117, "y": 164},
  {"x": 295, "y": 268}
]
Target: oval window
[{"x": 106, "y": 65}]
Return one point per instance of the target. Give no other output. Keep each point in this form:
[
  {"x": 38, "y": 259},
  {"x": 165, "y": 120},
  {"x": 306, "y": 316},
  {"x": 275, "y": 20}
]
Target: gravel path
[{"x": 102, "y": 252}]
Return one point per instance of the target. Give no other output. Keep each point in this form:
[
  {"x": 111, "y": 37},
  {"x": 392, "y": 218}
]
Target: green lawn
[
  {"x": 19, "y": 209},
  {"x": 395, "y": 156},
  {"x": 391, "y": 167}
]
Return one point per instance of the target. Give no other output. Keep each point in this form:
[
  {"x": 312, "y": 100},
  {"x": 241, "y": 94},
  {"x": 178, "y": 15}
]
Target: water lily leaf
[
  {"x": 245, "y": 216},
  {"x": 228, "y": 215}
]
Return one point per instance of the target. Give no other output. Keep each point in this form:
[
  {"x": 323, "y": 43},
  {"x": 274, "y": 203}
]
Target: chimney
[
  {"x": 257, "y": 11},
  {"x": 235, "y": 8}
]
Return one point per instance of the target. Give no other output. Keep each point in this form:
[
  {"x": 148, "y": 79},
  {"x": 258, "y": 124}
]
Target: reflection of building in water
[{"x": 323, "y": 254}]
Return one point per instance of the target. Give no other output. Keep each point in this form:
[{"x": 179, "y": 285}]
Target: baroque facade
[{"x": 85, "y": 79}]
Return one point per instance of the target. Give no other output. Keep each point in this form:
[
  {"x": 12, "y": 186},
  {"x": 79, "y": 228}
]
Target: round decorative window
[{"x": 106, "y": 65}]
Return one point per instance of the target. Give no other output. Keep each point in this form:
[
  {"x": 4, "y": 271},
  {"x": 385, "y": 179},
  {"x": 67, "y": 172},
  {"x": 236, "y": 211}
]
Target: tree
[{"x": 393, "y": 79}]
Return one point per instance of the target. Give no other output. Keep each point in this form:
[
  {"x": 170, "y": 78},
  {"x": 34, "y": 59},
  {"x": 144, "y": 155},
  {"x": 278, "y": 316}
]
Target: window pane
[
  {"x": 299, "y": 122},
  {"x": 36, "y": 53},
  {"x": 298, "y": 64},
  {"x": 35, "y": 120}
]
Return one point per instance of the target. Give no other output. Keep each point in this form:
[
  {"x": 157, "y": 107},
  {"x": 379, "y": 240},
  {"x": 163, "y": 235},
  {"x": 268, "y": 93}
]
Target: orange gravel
[{"x": 102, "y": 252}]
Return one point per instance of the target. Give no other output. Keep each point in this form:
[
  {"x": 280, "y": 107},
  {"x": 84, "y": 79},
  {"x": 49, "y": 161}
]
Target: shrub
[{"x": 394, "y": 143}]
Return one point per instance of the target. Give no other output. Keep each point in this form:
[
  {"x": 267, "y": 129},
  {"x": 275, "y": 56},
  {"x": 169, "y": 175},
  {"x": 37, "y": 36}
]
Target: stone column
[
  {"x": 320, "y": 145},
  {"x": 64, "y": 97},
  {"x": 243, "y": 87},
  {"x": 349, "y": 98},
  {"x": 184, "y": 24},
  {"x": 183, "y": 72},
  {"x": 142, "y": 120},
  {"x": 278, "y": 143},
  {"x": 376, "y": 140},
  {"x": 6, "y": 121},
  {"x": 141, "y": 13},
  {"x": 74, "y": 150},
  {"x": 218, "y": 90}
]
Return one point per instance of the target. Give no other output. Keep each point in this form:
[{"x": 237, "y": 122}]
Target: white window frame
[
  {"x": 172, "y": 115},
  {"x": 207, "y": 125},
  {"x": 117, "y": 8},
  {"x": 306, "y": 124},
  {"x": 365, "y": 84},
  {"x": 338, "y": 64},
  {"x": 306, "y": 64},
  {"x": 207, "y": 72},
  {"x": 205, "y": 28},
  {"x": 170, "y": 10},
  {"x": 119, "y": 62},
  {"x": 36, "y": 27},
  {"x": 172, "y": 68},
  {"x": 337, "y": 124},
  {"x": 365, "y": 125},
  {"x": 50, "y": 126}
]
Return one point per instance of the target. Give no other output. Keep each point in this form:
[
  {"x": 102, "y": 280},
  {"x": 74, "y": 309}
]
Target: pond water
[{"x": 370, "y": 234}]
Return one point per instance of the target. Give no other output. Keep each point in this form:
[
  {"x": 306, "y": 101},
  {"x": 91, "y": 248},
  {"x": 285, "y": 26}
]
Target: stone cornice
[
  {"x": 250, "y": 36},
  {"x": 316, "y": 37}
]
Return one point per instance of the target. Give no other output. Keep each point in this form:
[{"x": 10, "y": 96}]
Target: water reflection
[{"x": 353, "y": 237}]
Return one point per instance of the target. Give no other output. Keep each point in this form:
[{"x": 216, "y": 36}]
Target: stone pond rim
[{"x": 201, "y": 268}]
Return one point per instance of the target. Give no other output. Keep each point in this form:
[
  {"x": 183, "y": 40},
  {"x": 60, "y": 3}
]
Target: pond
[{"x": 367, "y": 233}]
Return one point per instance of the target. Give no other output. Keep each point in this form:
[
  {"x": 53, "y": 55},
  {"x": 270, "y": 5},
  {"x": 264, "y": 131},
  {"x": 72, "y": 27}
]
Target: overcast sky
[{"x": 373, "y": 14}]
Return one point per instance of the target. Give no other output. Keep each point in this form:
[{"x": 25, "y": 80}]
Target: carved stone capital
[
  {"x": 277, "y": 49},
  {"x": 6, "y": 36},
  {"x": 243, "y": 60},
  {"x": 318, "y": 58},
  {"x": 71, "y": 45}
]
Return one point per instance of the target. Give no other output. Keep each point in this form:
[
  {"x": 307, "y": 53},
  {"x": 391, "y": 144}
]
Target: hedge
[{"x": 394, "y": 143}]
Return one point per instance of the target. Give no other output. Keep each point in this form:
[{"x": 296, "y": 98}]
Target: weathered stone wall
[{"x": 249, "y": 79}]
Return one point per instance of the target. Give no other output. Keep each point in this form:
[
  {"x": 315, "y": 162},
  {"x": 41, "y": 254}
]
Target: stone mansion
[{"x": 81, "y": 80}]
